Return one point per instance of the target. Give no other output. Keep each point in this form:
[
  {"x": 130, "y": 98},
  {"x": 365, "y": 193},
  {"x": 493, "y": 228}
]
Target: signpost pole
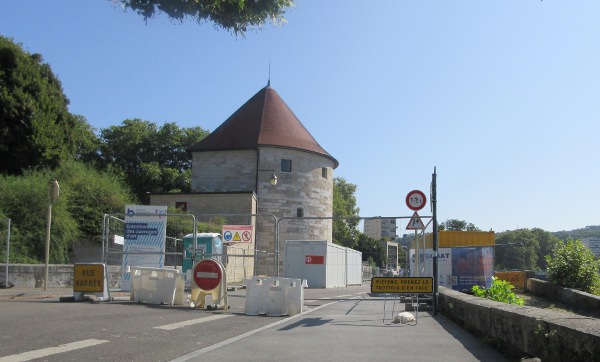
[
  {"x": 417, "y": 261},
  {"x": 435, "y": 240},
  {"x": 52, "y": 197}
]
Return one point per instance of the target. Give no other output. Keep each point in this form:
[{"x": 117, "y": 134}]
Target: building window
[
  {"x": 299, "y": 212},
  {"x": 324, "y": 172},
  {"x": 181, "y": 206},
  {"x": 286, "y": 165}
]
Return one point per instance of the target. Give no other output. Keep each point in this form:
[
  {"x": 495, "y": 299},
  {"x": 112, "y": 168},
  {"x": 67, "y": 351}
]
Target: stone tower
[{"x": 264, "y": 137}]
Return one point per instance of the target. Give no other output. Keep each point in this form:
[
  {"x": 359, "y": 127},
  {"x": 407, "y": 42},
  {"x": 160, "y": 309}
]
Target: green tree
[
  {"x": 371, "y": 249},
  {"x": 91, "y": 194},
  {"x": 36, "y": 127},
  {"x": 457, "y": 225},
  {"x": 547, "y": 242},
  {"x": 572, "y": 265},
  {"x": 516, "y": 249},
  {"x": 85, "y": 195},
  {"x": 153, "y": 159},
  {"x": 24, "y": 199},
  {"x": 234, "y": 15},
  {"x": 524, "y": 248},
  {"x": 345, "y": 231}
]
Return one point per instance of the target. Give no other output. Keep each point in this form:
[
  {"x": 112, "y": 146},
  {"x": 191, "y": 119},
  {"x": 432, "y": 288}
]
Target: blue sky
[{"x": 501, "y": 96}]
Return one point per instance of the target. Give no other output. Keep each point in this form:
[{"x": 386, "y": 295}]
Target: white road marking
[
  {"x": 199, "y": 352},
  {"x": 191, "y": 322},
  {"x": 26, "y": 356}
]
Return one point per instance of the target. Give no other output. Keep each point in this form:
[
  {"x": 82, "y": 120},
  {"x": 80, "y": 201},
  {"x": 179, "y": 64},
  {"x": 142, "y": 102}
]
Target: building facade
[
  {"x": 592, "y": 243},
  {"x": 380, "y": 228},
  {"x": 235, "y": 163}
]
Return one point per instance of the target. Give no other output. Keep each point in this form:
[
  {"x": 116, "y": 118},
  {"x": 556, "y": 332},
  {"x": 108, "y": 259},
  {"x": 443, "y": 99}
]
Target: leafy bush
[
  {"x": 500, "y": 291},
  {"x": 85, "y": 195},
  {"x": 572, "y": 265}
]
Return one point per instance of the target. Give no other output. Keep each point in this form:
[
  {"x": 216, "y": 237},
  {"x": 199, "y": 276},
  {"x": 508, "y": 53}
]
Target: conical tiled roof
[{"x": 264, "y": 120}]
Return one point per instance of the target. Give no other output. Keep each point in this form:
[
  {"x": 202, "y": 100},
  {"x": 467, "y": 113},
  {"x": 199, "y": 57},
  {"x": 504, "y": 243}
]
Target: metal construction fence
[
  {"x": 5, "y": 250},
  {"x": 270, "y": 252},
  {"x": 242, "y": 260}
]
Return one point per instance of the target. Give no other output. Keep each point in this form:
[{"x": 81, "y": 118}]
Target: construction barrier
[
  {"x": 157, "y": 285},
  {"x": 274, "y": 296},
  {"x": 209, "y": 278},
  {"x": 89, "y": 278}
]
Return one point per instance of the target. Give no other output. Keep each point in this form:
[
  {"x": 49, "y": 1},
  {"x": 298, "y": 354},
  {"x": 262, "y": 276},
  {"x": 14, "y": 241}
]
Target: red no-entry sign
[
  {"x": 415, "y": 200},
  {"x": 207, "y": 274}
]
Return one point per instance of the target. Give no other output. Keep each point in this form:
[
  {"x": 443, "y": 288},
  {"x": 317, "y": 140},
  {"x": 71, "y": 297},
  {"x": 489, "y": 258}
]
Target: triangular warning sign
[
  {"x": 236, "y": 237},
  {"x": 415, "y": 223}
]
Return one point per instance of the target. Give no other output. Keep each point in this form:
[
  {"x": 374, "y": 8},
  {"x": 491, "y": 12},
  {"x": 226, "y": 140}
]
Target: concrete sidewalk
[{"x": 352, "y": 330}]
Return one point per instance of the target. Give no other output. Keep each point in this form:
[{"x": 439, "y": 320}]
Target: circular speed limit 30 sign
[{"x": 415, "y": 200}]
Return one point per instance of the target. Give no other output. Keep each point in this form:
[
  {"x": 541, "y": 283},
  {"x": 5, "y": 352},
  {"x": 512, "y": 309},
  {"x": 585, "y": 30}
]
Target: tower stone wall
[{"x": 224, "y": 171}]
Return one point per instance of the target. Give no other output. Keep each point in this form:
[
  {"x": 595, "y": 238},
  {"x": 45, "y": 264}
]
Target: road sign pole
[{"x": 435, "y": 239}]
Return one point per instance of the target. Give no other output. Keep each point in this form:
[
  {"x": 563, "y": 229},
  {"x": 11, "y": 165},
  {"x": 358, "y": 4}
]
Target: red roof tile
[{"x": 264, "y": 120}]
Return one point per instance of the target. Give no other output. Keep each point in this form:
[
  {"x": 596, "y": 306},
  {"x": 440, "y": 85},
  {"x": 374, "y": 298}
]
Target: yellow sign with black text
[
  {"x": 402, "y": 285},
  {"x": 88, "y": 278}
]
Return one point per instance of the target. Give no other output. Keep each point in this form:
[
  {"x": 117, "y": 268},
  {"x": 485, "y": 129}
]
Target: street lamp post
[
  {"x": 273, "y": 182},
  {"x": 53, "y": 190}
]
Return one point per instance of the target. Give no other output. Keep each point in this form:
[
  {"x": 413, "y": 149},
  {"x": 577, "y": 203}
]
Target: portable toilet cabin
[{"x": 208, "y": 245}]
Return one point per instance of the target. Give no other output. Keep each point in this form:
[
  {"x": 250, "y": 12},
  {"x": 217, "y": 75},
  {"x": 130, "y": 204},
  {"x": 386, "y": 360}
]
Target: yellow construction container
[{"x": 449, "y": 239}]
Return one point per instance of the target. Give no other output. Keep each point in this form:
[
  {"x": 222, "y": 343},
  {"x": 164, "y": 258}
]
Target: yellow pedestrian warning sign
[
  {"x": 402, "y": 285},
  {"x": 415, "y": 223},
  {"x": 236, "y": 237}
]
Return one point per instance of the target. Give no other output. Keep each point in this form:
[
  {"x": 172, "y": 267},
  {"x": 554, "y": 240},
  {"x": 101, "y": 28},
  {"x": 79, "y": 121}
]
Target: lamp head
[{"x": 273, "y": 179}]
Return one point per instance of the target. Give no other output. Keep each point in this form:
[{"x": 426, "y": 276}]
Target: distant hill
[{"x": 578, "y": 234}]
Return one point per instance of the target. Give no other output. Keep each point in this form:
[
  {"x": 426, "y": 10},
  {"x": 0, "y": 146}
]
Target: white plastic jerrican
[{"x": 157, "y": 286}]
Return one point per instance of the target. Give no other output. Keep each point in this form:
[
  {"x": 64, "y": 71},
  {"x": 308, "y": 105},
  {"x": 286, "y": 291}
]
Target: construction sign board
[
  {"x": 88, "y": 278},
  {"x": 238, "y": 233},
  {"x": 407, "y": 285}
]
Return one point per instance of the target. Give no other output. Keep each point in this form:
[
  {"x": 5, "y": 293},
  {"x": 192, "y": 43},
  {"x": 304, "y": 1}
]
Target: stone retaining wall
[
  {"x": 572, "y": 297},
  {"x": 59, "y": 276},
  {"x": 521, "y": 331}
]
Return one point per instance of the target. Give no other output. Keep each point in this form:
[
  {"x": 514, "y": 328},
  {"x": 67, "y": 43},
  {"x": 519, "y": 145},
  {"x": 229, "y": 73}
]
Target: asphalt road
[{"x": 339, "y": 325}]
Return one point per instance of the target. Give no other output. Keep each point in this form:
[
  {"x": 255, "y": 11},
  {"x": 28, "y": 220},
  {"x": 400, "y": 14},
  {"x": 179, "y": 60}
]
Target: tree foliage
[
  {"x": 233, "y": 15},
  {"x": 523, "y": 249},
  {"x": 457, "y": 225},
  {"x": 153, "y": 159},
  {"x": 572, "y": 265},
  {"x": 85, "y": 194},
  {"x": 578, "y": 234},
  {"x": 36, "y": 127},
  {"x": 344, "y": 205},
  {"x": 371, "y": 249}
]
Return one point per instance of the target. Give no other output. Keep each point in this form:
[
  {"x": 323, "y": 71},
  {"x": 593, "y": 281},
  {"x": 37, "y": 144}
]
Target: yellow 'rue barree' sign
[
  {"x": 402, "y": 285},
  {"x": 88, "y": 278}
]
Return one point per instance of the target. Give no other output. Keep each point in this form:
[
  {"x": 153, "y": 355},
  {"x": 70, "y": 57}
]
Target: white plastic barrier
[
  {"x": 157, "y": 286},
  {"x": 294, "y": 296},
  {"x": 255, "y": 294},
  {"x": 274, "y": 296}
]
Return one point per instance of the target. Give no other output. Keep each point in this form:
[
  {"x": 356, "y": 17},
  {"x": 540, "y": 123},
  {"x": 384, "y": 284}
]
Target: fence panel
[
  {"x": 5, "y": 249},
  {"x": 245, "y": 257},
  {"x": 116, "y": 254}
]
